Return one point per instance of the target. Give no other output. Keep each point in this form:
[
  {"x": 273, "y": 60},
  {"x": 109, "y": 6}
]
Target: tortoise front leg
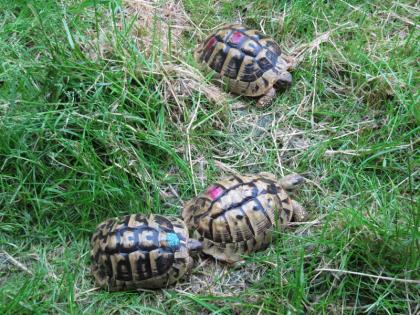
[
  {"x": 299, "y": 213},
  {"x": 267, "y": 98}
]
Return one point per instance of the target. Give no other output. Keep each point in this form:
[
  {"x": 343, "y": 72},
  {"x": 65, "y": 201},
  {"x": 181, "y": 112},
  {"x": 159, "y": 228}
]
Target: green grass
[{"x": 83, "y": 139}]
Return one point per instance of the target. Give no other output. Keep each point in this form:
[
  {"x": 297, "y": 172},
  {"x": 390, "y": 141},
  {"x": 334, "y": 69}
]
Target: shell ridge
[
  {"x": 137, "y": 231},
  {"x": 257, "y": 192},
  {"x": 248, "y": 221},
  {"x": 245, "y": 200},
  {"x": 261, "y": 208},
  {"x": 211, "y": 228},
  {"x": 148, "y": 266},
  {"x": 218, "y": 58},
  {"x": 227, "y": 191},
  {"x": 227, "y": 227},
  {"x": 124, "y": 272},
  {"x": 238, "y": 179}
]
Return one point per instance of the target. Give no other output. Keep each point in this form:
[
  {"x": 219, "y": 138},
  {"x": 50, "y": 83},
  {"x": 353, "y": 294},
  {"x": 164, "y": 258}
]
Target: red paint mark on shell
[
  {"x": 236, "y": 37},
  {"x": 211, "y": 43},
  {"x": 214, "y": 192}
]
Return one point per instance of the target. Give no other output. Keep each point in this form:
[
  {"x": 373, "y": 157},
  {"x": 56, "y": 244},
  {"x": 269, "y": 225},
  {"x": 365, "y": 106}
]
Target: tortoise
[
  {"x": 249, "y": 62},
  {"x": 237, "y": 214},
  {"x": 139, "y": 251}
]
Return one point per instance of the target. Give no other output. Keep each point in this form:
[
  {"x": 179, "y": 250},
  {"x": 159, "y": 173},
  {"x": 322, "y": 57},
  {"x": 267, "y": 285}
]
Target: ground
[{"x": 103, "y": 112}]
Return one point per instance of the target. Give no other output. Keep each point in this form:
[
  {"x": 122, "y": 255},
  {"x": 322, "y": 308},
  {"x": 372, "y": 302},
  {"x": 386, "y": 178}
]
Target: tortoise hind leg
[
  {"x": 225, "y": 252},
  {"x": 232, "y": 253}
]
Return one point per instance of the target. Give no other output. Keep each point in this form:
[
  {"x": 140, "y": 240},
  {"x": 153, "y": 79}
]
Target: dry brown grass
[
  {"x": 219, "y": 279},
  {"x": 153, "y": 25},
  {"x": 156, "y": 24}
]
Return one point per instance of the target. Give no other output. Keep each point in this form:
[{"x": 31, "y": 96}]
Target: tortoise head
[
  {"x": 283, "y": 81},
  {"x": 291, "y": 182},
  {"x": 194, "y": 247}
]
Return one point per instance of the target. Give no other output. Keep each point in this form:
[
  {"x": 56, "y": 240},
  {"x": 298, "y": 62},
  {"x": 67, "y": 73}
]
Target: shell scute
[
  {"x": 217, "y": 58},
  {"x": 264, "y": 63},
  {"x": 163, "y": 223},
  {"x": 250, "y": 71},
  {"x": 233, "y": 64},
  {"x": 211, "y": 43},
  {"x": 251, "y": 48}
]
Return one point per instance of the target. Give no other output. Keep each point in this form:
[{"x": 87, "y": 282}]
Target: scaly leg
[
  {"x": 267, "y": 98},
  {"x": 299, "y": 213}
]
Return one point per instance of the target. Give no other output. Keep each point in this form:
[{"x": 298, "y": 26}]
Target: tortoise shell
[
  {"x": 236, "y": 215},
  {"x": 247, "y": 60},
  {"x": 139, "y": 251}
]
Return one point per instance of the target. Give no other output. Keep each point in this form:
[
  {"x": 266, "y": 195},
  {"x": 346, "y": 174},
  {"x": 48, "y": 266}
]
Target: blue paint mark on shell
[{"x": 172, "y": 240}]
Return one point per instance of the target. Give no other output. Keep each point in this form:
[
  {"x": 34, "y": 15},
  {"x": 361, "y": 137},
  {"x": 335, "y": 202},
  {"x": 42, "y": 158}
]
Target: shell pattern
[
  {"x": 247, "y": 60},
  {"x": 138, "y": 251},
  {"x": 236, "y": 215}
]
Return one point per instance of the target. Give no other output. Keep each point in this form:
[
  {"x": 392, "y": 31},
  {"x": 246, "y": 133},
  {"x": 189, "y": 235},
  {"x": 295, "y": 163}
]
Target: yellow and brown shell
[
  {"x": 247, "y": 60},
  {"x": 236, "y": 215},
  {"x": 140, "y": 251}
]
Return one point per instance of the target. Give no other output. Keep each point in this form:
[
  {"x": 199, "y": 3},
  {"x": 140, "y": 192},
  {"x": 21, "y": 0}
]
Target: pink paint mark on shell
[
  {"x": 236, "y": 37},
  {"x": 211, "y": 43},
  {"x": 214, "y": 192}
]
